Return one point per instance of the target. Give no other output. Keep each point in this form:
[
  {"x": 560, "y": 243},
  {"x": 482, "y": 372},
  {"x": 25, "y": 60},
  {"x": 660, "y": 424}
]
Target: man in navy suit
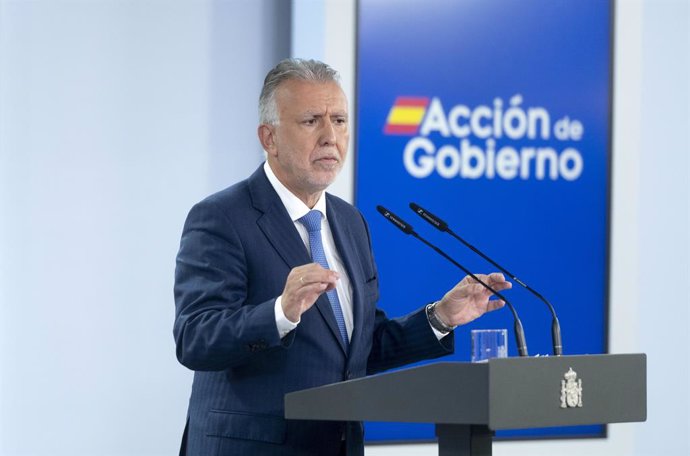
[{"x": 276, "y": 286}]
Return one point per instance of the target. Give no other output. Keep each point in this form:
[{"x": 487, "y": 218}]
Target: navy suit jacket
[{"x": 237, "y": 249}]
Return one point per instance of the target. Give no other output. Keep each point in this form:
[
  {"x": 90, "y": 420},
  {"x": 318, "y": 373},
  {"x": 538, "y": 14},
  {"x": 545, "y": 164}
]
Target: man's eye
[{"x": 310, "y": 122}]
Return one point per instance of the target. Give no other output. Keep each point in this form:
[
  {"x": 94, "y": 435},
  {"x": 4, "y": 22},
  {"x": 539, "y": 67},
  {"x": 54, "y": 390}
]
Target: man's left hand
[{"x": 469, "y": 300}]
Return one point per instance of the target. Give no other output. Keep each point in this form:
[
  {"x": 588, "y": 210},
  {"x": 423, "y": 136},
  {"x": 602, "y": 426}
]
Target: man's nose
[{"x": 328, "y": 136}]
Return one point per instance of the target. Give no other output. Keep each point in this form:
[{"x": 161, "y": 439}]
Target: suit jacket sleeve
[
  {"x": 214, "y": 328},
  {"x": 408, "y": 339}
]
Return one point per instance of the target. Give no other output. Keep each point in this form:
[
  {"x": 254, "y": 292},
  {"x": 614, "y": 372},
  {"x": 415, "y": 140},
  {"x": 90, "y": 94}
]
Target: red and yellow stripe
[{"x": 406, "y": 115}]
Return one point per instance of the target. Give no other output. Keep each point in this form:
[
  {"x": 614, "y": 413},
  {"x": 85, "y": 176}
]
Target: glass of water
[{"x": 489, "y": 343}]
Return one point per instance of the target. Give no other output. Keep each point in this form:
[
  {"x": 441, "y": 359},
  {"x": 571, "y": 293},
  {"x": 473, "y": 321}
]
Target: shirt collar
[{"x": 295, "y": 206}]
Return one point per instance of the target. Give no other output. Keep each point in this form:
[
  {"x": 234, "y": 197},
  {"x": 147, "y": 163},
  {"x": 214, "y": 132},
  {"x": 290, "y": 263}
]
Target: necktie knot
[{"x": 312, "y": 221}]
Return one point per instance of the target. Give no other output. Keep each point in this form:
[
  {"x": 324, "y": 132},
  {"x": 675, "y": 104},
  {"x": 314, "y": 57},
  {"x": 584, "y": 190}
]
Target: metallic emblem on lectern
[{"x": 571, "y": 390}]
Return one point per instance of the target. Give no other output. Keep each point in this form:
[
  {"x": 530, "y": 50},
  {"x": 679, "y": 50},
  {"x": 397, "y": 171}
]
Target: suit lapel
[
  {"x": 283, "y": 236},
  {"x": 275, "y": 222},
  {"x": 277, "y": 226}
]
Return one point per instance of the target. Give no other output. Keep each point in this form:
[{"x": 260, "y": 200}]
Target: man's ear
[{"x": 267, "y": 138}]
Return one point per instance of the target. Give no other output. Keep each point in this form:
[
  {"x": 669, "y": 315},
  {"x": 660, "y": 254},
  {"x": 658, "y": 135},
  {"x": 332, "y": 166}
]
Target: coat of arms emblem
[{"x": 571, "y": 390}]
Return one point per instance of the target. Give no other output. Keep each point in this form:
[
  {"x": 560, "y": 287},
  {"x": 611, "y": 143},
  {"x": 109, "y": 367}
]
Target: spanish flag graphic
[{"x": 406, "y": 115}]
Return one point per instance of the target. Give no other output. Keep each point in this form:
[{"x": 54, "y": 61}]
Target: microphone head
[
  {"x": 395, "y": 220},
  {"x": 429, "y": 217}
]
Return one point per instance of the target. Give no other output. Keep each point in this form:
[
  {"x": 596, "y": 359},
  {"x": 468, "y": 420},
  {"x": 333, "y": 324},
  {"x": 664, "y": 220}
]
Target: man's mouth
[{"x": 328, "y": 160}]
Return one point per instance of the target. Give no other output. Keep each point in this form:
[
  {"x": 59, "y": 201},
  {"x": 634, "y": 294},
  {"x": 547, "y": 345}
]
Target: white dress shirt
[{"x": 297, "y": 209}]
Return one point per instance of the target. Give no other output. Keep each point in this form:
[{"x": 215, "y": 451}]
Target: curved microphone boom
[
  {"x": 407, "y": 229},
  {"x": 443, "y": 226}
]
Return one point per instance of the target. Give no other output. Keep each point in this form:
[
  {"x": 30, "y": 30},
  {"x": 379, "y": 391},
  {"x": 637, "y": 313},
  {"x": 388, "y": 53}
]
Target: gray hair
[{"x": 288, "y": 69}]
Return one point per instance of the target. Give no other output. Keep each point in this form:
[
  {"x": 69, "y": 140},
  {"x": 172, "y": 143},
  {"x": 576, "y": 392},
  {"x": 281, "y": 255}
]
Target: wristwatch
[{"x": 435, "y": 321}]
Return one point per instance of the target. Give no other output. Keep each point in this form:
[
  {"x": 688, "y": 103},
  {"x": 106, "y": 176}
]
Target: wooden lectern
[{"x": 468, "y": 402}]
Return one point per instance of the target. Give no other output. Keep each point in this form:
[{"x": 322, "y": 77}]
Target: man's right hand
[{"x": 303, "y": 287}]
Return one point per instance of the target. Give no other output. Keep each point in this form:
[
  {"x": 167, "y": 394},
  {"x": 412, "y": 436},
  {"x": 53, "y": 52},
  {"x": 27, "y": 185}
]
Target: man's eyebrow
[{"x": 322, "y": 113}]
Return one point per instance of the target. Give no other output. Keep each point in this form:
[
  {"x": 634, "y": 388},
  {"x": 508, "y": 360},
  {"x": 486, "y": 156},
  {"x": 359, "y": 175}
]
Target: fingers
[
  {"x": 314, "y": 273},
  {"x": 469, "y": 299},
  {"x": 497, "y": 277},
  {"x": 499, "y": 282},
  {"x": 495, "y": 304},
  {"x": 495, "y": 280},
  {"x": 303, "y": 287}
]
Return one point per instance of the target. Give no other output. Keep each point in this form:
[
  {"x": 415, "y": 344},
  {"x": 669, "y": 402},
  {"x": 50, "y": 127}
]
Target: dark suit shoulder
[
  {"x": 221, "y": 212},
  {"x": 244, "y": 197},
  {"x": 343, "y": 207},
  {"x": 236, "y": 194}
]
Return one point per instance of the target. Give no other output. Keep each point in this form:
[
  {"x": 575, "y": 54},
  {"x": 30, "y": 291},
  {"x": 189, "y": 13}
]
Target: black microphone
[
  {"x": 443, "y": 226},
  {"x": 407, "y": 229}
]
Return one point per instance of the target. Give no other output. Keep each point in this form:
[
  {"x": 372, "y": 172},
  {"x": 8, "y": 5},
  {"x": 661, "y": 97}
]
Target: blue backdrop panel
[{"x": 495, "y": 116}]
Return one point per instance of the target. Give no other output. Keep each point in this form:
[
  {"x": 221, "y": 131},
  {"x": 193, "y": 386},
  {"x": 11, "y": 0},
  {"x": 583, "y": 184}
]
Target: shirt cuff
[
  {"x": 439, "y": 335},
  {"x": 282, "y": 323}
]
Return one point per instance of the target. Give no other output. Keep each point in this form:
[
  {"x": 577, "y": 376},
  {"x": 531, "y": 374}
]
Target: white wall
[
  {"x": 664, "y": 228},
  {"x": 115, "y": 117}
]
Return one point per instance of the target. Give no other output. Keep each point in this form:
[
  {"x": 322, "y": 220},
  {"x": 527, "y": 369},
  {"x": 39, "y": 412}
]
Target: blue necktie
[{"x": 312, "y": 222}]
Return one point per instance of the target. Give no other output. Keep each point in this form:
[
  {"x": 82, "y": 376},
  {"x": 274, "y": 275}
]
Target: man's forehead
[{"x": 301, "y": 90}]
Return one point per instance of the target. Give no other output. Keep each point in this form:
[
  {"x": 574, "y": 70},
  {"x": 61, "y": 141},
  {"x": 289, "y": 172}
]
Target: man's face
[{"x": 308, "y": 147}]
